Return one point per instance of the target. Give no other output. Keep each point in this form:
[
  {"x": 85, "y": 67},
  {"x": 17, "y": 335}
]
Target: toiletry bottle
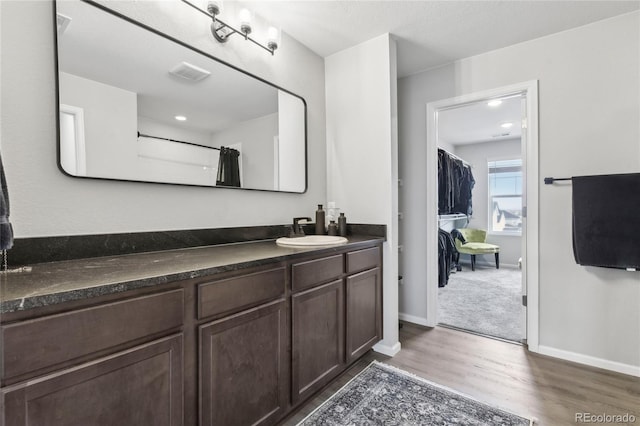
[
  {"x": 342, "y": 225},
  {"x": 333, "y": 228},
  {"x": 320, "y": 220}
]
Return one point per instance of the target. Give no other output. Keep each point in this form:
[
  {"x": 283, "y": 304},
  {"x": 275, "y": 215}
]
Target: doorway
[{"x": 526, "y": 95}]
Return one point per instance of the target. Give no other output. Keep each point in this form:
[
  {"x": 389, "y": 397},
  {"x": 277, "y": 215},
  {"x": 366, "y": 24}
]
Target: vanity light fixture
[{"x": 222, "y": 31}]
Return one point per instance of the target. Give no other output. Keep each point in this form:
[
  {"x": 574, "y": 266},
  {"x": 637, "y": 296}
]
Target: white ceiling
[
  {"x": 479, "y": 122},
  {"x": 430, "y": 33}
]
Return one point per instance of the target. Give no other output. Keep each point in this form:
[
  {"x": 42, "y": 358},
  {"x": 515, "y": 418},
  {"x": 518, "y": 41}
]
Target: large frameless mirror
[{"x": 137, "y": 105}]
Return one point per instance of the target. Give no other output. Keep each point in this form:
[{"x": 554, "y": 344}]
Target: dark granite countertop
[{"x": 62, "y": 281}]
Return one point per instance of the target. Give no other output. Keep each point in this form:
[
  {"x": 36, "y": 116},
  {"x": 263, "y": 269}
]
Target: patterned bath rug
[{"x": 384, "y": 395}]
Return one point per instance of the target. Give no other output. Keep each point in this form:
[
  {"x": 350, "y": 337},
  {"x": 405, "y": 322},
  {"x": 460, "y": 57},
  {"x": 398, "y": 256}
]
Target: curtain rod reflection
[{"x": 174, "y": 140}]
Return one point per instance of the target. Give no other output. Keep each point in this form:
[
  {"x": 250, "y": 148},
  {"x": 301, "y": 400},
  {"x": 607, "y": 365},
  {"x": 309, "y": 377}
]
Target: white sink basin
[{"x": 311, "y": 241}]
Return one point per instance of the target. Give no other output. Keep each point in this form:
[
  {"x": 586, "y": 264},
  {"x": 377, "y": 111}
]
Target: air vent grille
[{"x": 189, "y": 72}]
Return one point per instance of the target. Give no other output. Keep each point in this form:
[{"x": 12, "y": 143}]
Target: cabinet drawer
[
  {"x": 37, "y": 344},
  {"x": 363, "y": 259},
  {"x": 234, "y": 294},
  {"x": 308, "y": 274}
]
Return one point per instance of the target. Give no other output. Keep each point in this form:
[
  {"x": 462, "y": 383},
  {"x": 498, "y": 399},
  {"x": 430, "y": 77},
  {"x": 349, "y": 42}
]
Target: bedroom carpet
[{"x": 485, "y": 301}]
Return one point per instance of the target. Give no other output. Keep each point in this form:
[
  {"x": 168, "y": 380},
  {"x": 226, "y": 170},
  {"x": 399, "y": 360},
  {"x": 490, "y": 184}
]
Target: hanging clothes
[
  {"x": 455, "y": 185},
  {"x": 447, "y": 255},
  {"x": 228, "y": 168}
]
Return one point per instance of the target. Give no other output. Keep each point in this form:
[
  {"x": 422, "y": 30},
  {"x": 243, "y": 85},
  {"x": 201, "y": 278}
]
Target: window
[{"x": 505, "y": 196}]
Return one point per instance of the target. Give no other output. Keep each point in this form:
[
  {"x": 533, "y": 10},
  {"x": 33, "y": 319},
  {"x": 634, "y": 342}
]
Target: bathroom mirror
[{"x": 138, "y": 105}]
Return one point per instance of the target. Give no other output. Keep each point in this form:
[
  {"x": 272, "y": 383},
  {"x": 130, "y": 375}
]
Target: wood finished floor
[{"x": 504, "y": 375}]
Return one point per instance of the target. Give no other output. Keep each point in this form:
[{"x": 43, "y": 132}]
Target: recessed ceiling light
[
  {"x": 180, "y": 118},
  {"x": 506, "y": 125},
  {"x": 494, "y": 102}
]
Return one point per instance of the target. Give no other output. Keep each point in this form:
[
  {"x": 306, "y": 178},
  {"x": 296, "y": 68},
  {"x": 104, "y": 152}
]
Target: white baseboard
[
  {"x": 592, "y": 361},
  {"x": 413, "y": 319},
  {"x": 386, "y": 349}
]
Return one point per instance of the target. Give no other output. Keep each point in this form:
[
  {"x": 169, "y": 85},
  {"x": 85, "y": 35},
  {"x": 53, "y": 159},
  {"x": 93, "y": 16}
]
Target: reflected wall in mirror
[{"x": 138, "y": 105}]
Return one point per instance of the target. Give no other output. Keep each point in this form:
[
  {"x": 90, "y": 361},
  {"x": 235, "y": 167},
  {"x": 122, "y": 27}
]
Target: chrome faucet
[{"x": 297, "y": 229}]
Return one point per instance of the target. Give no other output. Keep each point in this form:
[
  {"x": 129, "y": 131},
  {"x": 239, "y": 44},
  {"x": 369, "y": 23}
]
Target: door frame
[{"x": 530, "y": 231}]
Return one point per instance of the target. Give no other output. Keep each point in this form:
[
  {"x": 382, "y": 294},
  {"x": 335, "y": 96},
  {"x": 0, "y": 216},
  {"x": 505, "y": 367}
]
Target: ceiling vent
[
  {"x": 63, "y": 22},
  {"x": 189, "y": 72}
]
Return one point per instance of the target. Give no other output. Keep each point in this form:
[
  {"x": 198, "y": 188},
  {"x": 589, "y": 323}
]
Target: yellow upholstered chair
[{"x": 475, "y": 244}]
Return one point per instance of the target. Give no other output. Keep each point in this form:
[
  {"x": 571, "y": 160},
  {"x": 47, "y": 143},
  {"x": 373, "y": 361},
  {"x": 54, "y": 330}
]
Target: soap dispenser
[
  {"x": 342, "y": 225},
  {"x": 320, "y": 220},
  {"x": 333, "y": 228}
]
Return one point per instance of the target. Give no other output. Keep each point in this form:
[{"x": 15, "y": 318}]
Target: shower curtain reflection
[{"x": 228, "y": 168}]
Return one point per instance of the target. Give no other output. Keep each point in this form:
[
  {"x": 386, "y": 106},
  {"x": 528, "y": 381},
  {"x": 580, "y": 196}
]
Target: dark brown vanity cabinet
[
  {"x": 243, "y": 357},
  {"x": 363, "y": 301},
  {"x": 112, "y": 364},
  {"x": 241, "y": 347},
  {"x": 336, "y": 316},
  {"x": 271, "y": 345}
]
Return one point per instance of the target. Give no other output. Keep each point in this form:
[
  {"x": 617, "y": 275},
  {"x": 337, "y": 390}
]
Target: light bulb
[
  {"x": 245, "y": 21},
  {"x": 215, "y": 7},
  {"x": 273, "y": 38}
]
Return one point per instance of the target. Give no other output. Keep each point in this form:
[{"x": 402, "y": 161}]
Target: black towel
[
  {"x": 606, "y": 220},
  {"x": 6, "y": 231}
]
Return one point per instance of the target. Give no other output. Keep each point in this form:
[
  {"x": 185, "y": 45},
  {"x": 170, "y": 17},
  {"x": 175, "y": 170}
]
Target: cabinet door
[
  {"x": 142, "y": 386},
  {"x": 364, "y": 312},
  {"x": 244, "y": 367},
  {"x": 318, "y": 338}
]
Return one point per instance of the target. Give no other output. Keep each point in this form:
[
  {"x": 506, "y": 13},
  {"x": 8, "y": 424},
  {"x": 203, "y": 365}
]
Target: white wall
[
  {"x": 362, "y": 152},
  {"x": 110, "y": 125},
  {"x": 290, "y": 153},
  {"x": 44, "y": 202},
  {"x": 165, "y": 161},
  {"x": 589, "y": 107},
  {"x": 477, "y": 155}
]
